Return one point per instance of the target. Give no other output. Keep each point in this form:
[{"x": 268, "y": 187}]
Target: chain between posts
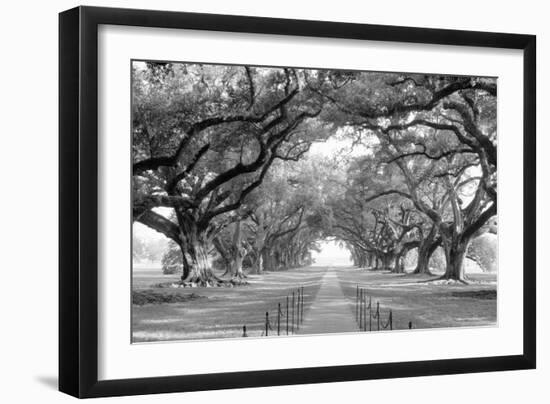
[
  {"x": 364, "y": 311},
  {"x": 292, "y": 315}
]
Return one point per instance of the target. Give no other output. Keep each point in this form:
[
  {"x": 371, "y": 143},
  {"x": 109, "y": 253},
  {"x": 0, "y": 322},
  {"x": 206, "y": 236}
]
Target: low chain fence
[
  {"x": 288, "y": 318},
  {"x": 369, "y": 316},
  {"x": 289, "y": 315}
]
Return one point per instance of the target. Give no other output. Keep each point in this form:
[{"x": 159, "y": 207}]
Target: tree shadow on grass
[{"x": 484, "y": 294}]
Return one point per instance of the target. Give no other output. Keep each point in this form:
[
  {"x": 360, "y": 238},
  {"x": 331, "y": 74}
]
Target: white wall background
[{"x": 28, "y": 169}]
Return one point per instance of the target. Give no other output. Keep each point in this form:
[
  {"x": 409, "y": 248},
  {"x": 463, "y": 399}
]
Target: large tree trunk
[
  {"x": 388, "y": 260},
  {"x": 370, "y": 259},
  {"x": 258, "y": 264},
  {"x": 201, "y": 271},
  {"x": 225, "y": 255},
  {"x": 259, "y": 248},
  {"x": 268, "y": 260},
  {"x": 186, "y": 267},
  {"x": 425, "y": 251},
  {"x": 362, "y": 260},
  {"x": 455, "y": 253},
  {"x": 359, "y": 258},
  {"x": 238, "y": 256},
  {"x": 399, "y": 265},
  {"x": 259, "y": 257},
  {"x": 401, "y": 253},
  {"x": 423, "y": 261},
  {"x": 237, "y": 269},
  {"x": 197, "y": 248}
]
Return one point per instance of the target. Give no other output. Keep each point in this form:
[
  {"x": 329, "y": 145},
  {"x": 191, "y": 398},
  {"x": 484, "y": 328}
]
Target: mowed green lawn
[
  {"x": 222, "y": 312},
  {"x": 426, "y": 304},
  {"x": 218, "y": 312}
]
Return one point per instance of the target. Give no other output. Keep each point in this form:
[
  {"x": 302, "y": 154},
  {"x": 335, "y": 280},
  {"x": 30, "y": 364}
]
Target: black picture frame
[{"x": 78, "y": 201}]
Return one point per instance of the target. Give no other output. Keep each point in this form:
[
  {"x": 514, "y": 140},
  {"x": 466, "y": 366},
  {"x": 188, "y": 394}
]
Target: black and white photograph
[
  {"x": 275, "y": 202},
  {"x": 278, "y": 201}
]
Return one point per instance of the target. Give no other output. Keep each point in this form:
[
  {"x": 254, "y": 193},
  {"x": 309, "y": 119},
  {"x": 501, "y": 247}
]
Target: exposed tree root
[
  {"x": 426, "y": 273},
  {"x": 213, "y": 282},
  {"x": 443, "y": 280},
  {"x": 239, "y": 281}
]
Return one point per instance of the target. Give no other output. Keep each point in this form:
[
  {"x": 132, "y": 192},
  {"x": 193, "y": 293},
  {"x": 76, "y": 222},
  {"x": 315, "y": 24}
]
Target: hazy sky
[{"x": 331, "y": 255}]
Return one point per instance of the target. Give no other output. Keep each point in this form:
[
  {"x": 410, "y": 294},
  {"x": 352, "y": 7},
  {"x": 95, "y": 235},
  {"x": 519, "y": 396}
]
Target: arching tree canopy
[{"x": 257, "y": 164}]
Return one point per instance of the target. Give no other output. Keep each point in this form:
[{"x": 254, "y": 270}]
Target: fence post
[
  {"x": 302, "y": 312},
  {"x": 286, "y": 315},
  {"x": 378, "y": 314},
  {"x": 357, "y": 303},
  {"x": 361, "y": 309},
  {"x": 244, "y": 331},
  {"x": 391, "y": 321},
  {"x": 278, "y": 318},
  {"x": 292, "y": 322},
  {"x": 298, "y": 308},
  {"x": 365, "y": 311},
  {"x": 370, "y": 314},
  {"x": 266, "y": 323}
]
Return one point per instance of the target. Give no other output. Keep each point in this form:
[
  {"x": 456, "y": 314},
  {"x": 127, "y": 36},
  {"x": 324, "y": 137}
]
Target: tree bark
[
  {"x": 370, "y": 259},
  {"x": 238, "y": 256},
  {"x": 425, "y": 251},
  {"x": 186, "y": 267},
  {"x": 237, "y": 269},
  {"x": 362, "y": 260},
  {"x": 455, "y": 253},
  {"x": 197, "y": 248},
  {"x": 258, "y": 264},
  {"x": 388, "y": 261},
  {"x": 224, "y": 254},
  {"x": 423, "y": 260},
  {"x": 399, "y": 266},
  {"x": 201, "y": 271},
  {"x": 268, "y": 260}
]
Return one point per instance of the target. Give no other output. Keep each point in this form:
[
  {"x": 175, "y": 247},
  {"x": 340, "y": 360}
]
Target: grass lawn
[
  {"x": 426, "y": 304},
  {"x": 206, "y": 313},
  {"x": 216, "y": 312}
]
